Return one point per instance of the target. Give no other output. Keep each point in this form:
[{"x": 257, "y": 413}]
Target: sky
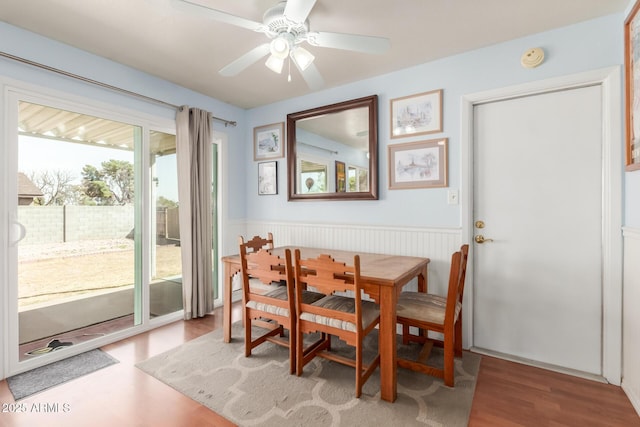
[{"x": 39, "y": 154}]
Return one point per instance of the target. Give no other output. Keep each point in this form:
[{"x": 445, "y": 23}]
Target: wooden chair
[
  {"x": 349, "y": 319},
  {"x": 429, "y": 312},
  {"x": 270, "y": 304}
]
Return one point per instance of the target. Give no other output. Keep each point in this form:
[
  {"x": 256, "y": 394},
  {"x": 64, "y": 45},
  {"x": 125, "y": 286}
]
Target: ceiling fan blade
[
  {"x": 312, "y": 76},
  {"x": 298, "y": 10},
  {"x": 218, "y": 15},
  {"x": 364, "y": 44},
  {"x": 245, "y": 60}
]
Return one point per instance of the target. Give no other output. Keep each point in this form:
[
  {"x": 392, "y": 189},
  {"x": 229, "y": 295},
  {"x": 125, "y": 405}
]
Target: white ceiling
[{"x": 171, "y": 41}]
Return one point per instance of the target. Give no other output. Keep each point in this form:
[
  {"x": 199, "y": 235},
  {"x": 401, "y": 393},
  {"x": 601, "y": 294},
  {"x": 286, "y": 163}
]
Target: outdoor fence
[{"x": 58, "y": 224}]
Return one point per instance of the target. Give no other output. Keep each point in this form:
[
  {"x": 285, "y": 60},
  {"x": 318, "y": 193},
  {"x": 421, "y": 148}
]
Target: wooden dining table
[{"x": 383, "y": 276}]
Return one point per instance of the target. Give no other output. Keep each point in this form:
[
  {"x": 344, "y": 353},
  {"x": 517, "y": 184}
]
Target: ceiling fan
[{"x": 287, "y": 26}]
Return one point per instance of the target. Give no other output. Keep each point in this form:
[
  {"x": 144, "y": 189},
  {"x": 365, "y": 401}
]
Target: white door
[{"x": 538, "y": 173}]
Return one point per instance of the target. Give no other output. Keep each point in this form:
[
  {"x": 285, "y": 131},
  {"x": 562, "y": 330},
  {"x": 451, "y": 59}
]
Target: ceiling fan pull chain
[{"x": 289, "y": 76}]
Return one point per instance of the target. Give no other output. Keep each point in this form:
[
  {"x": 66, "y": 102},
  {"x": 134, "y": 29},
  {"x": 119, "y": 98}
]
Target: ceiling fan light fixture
[
  {"x": 302, "y": 57},
  {"x": 279, "y": 47},
  {"x": 286, "y": 25},
  {"x": 274, "y": 63}
]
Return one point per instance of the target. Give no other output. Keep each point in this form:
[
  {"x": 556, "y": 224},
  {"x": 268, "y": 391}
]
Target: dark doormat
[{"x": 42, "y": 378}]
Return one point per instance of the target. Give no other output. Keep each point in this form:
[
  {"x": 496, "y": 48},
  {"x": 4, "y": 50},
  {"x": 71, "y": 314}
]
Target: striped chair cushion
[
  {"x": 423, "y": 307},
  {"x": 370, "y": 311},
  {"x": 280, "y": 292},
  {"x": 257, "y": 286}
]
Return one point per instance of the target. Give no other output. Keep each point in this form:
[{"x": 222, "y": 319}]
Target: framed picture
[
  {"x": 268, "y": 141},
  {"x": 341, "y": 177},
  {"x": 419, "y": 114},
  {"x": 267, "y": 178},
  {"x": 421, "y": 164},
  {"x": 632, "y": 86}
]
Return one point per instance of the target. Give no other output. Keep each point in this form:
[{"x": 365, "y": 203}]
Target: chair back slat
[
  {"x": 453, "y": 289},
  {"x": 327, "y": 275},
  {"x": 258, "y": 242},
  {"x": 265, "y": 266},
  {"x": 464, "y": 251},
  {"x": 457, "y": 276}
]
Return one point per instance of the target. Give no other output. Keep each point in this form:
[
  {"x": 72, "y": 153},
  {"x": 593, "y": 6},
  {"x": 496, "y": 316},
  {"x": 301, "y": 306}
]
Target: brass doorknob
[{"x": 480, "y": 239}]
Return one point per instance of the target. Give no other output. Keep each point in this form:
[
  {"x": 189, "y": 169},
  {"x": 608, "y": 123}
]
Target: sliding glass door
[
  {"x": 96, "y": 249},
  {"x": 165, "y": 285},
  {"x": 77, "y": 201}
]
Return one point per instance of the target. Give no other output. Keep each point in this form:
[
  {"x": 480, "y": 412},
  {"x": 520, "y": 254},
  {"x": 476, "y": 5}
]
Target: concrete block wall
[
  {"x": 44, "y": 224},
  {"x": 57, "y": 224},
  {"x": 98, "y": 222}
]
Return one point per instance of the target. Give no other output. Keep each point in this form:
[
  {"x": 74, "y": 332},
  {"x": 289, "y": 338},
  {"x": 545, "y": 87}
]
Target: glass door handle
[{"x": 22, "y": 232}]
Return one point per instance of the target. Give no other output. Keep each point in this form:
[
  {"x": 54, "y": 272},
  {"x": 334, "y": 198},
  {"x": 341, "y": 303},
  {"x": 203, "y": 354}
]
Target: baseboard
[
  {"x": 635, "y": 400},
  {"x": 541, "y": 365}
]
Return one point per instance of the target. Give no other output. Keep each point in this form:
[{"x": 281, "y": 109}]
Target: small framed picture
[
  {"x": 421, "y": 164},
  {"x": 267, "y": 178},
  {"x": 632, "y": 87},
  {"x": 268, "y": 141},
  {"x": 419, "y": 114}
]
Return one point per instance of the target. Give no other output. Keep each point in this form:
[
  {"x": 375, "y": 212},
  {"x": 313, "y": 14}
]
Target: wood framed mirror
[{"x": 332, "y": 151}]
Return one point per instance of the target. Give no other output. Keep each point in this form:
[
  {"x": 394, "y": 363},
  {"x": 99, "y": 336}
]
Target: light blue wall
[
  {"x": 33, "y": 47},
  {"x": 632, "y": 199},
  {"x": 586, "y": 46}
]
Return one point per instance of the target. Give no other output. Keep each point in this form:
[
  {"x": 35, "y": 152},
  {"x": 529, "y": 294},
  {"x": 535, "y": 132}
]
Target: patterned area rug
[{"x": 259, "y": 390}]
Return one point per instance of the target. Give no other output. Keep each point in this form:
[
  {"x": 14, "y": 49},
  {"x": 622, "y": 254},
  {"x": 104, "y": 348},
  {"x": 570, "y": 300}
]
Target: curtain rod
[
  {"x": 104, "y": 85},
  {"x": 319, "y": 148}
]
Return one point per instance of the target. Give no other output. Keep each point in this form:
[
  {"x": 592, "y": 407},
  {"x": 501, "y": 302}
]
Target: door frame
[{"x": 610, "y": 82}]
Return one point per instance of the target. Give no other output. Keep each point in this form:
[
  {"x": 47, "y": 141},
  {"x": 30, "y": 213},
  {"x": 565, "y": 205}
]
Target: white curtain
[{"x": 193, "y": 145}]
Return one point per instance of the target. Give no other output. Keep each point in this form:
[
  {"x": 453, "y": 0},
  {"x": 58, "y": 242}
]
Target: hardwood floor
[
  {"x": 512, "y": 394},
  {"x": 507, "y": 394},
  {"x": 121, "y": 394}
]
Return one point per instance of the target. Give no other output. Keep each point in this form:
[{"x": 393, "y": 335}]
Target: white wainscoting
[
  {"x": 631, "y": 317},
  {"x": 230, "y": 231},
  {"x": 435, "y": 243}
]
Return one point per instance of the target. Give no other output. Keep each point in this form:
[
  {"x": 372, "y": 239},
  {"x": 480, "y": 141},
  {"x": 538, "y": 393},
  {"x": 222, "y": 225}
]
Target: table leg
[
  {"x": 422, "y": 281},
  {"x": 387, "y": 343}
]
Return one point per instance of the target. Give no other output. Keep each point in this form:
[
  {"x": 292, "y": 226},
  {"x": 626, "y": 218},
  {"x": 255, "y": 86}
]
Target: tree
[
  {"x": 119, "y": 177},
  {"x": 55, "y": 185},
  {"x": 163, "y": 202},
  {"x": 112, "y": 184},
  {"x": 94, "y": 187}
]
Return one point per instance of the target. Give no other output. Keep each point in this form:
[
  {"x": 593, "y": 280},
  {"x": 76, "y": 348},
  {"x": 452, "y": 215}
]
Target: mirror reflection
[{"x": 332, "y": 151}]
